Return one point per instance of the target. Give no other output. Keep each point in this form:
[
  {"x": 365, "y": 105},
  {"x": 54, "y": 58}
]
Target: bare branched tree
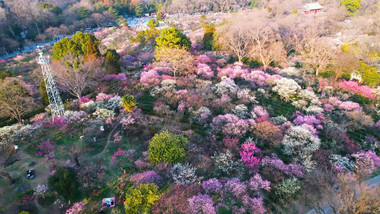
[
  {"x": 179, "y": 60},
  {"x": 15, "y": 102},
  {"x": 75, "y": 76},
  {"x": 317, "y": 54}
]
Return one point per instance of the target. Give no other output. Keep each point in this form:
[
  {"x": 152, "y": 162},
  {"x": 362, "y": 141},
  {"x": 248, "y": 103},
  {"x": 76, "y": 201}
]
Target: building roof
[{"x": 313, "y": 6}]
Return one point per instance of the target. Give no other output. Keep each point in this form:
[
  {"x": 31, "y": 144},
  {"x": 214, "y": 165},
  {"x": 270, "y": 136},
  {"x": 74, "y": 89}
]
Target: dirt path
[{"x": 108, "y": 141}]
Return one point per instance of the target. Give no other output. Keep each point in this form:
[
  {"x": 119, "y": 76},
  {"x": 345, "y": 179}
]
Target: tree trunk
[{"x": 76, "y": 160}]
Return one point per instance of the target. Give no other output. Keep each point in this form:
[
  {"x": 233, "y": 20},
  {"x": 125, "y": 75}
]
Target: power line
[{"x": 56, "y": 105}]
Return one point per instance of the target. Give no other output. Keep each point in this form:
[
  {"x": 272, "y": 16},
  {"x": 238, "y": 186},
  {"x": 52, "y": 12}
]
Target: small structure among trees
[
  {"x": 356, "y": 76},
  {"x": 312, "y": 8}
]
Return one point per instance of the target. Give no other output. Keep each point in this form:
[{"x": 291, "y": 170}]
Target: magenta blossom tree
[
  {"x": 46, "y": 149},
  {"x": 249, "y": 155}
]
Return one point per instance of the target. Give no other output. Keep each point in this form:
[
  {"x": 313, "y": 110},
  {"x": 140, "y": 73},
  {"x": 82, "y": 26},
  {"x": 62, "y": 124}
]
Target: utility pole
[{"x": 56, "y": 105}]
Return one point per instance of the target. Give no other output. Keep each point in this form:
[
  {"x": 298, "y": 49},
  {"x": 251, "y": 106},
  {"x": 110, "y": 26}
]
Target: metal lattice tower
[{"x": 55, "y": 100}]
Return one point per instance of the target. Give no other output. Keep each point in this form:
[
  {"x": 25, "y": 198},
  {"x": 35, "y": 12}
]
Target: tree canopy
[
  {"x": 173, "y": 38},
  {"x": 80, "y": 44}
]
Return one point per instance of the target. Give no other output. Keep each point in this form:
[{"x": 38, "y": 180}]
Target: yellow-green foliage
[
  {"x": 351, "y": 5},
  {"x": 140, "y": 199},
  {"x": 166, "y": 147},
  {"x": 173, "y": 38},
  {"x": 346, "y": 48},
  {"x": 295, "y": 11},
  {"x": 128, "y": 102},
  {"x": 370, "y": 75}
]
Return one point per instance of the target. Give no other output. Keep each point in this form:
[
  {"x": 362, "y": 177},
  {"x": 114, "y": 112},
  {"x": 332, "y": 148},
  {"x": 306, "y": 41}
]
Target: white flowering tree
[
  {"x": 184, "y": 174},
  {"x": 300, "y": 143},
  {"x": 286, "y": 88}
]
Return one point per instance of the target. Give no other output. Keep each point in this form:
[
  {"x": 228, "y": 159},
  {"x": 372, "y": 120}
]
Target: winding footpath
[{"x": 327, "y": 209}]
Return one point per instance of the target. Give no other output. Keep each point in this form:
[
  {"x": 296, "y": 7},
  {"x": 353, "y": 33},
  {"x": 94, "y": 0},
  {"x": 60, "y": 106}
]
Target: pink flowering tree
[
  {"x": 46, "y": 148},
  {"x": 117, "y": 156},
  {"x": 276, "y": 163},
  {"x": 349, "y": 106},
  {"x": 146, "y": 177},
  {"x": 230, "y": 124},
  {"x": 58, "y": 122},
  {"x": 366, "y": 162},
  {"x": 249, "y": 155},
  {"x": 204, "y": 71},
  {"x": 201, "y": 204},
  {"x": 354, "y": 87},
  {"x": 76, "y": 208},
  {"x": 150, "y": 78},
  {"x": 256, "y": 183},
  {"x": 212, "y": 186}
]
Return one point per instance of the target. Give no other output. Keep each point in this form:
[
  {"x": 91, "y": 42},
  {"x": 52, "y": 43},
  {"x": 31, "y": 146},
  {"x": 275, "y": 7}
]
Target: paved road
[{"x": 372, "y": 182}]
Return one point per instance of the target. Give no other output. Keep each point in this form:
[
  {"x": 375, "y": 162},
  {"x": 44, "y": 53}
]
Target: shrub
[
  {"x": 225, "y": 163},
  {"x": 167, "y": 148},
  {"x": 248, "y": 154},
  {"x": 128, "y": 102},
  {"x": 288, "y": 188},
  {"x": 65, "y": 183},
  {"x": 212, "y": 185},
  {"x": 183, "y": 174},
  {"x": 140, "y": 199},
  {"x": 46, "y": 199},
  {"x": 268, "y": 132},
  {"x": 201, "y": 204},
  {"x": 76, "y": 208},
  {"x": 351, "y": 5}
]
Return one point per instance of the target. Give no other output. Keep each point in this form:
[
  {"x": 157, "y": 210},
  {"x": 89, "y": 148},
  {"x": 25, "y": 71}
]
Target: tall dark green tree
[
  {"x": 208, "y": 37},
  {"x": 112, "y": 62}
]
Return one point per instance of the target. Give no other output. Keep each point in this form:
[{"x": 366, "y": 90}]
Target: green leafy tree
[
  {"x": 56, "y": 10},
  {"x": 166, "y": 147},
  {"x": 44, "y": 95},
  {"x": 288, "y": 189},
  {"x": 253, "y": 4},
  {"x": 139, "y": 10},
  {"x": 79, "y": 44},
  {"x": 128, "y": 102},
  {"x": 113, "y": 12},
  {"x": 173, "y": 38},
  {"x": 370, "y": 75},
  {"x": 83, "y": 13},
  {"x": 351, "y": 5},
  {"x": 65, "y": 183},
  {"x": 112, "y": 62},
  {"x": 152, "y": 23},
  {"x": 140, "y": 199}
]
